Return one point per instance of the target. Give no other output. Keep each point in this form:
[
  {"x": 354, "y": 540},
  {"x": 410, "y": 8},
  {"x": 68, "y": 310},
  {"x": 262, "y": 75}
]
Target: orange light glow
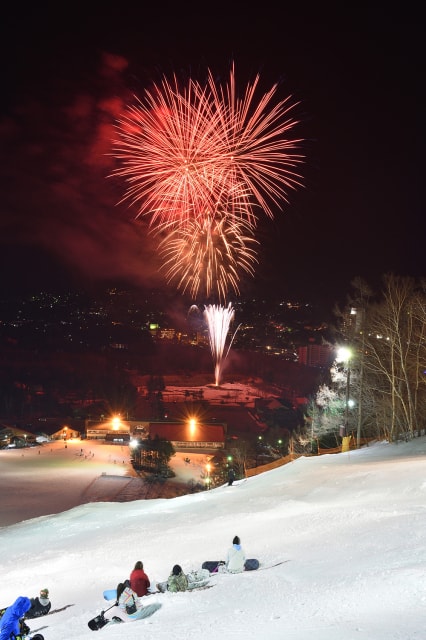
[{"x": 116, "y": 423}]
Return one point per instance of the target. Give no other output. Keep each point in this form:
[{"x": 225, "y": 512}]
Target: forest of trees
[{"x": 381, "y": 388}]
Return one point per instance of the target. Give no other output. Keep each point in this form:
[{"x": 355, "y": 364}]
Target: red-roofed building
[{"x": 184, "y": 435}]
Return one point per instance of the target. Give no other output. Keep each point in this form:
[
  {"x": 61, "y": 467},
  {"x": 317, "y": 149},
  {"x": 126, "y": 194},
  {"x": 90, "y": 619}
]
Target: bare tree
[{"x": 393, "y": 348}]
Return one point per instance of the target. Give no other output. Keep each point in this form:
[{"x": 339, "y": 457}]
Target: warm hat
[
  {"x": 177, "y": 570},
  {"x": 44, "y": 593},
  {"x": 236, "y": 540}
]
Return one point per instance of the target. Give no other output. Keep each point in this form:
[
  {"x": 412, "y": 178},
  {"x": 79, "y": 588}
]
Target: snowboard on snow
[
  {"x": 251, "y": 564},
  {"x": 145, "y": 611},
  {"x": 100, "y": 621}
]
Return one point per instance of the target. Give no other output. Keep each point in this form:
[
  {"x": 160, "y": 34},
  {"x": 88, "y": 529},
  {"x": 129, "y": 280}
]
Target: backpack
[{"x": 131, "y": 608}]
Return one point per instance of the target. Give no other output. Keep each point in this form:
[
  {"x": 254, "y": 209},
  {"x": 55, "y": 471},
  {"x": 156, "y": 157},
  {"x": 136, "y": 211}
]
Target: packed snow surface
[{"x": 349, "y": 530}]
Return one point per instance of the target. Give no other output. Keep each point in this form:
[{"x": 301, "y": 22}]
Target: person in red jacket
[{"x": 139, "y": 581}]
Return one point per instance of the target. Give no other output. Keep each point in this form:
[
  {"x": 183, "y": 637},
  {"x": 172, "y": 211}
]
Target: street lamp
[
  {"x": 344, "y": 355},
  {"x": 192, "y": 426},
  {"x": 116, "y": 422}
]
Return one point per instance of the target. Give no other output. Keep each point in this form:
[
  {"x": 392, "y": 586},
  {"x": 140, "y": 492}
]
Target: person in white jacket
[
  {"x": 128, "y": 602},
  {"x": 236, "y": 557}
]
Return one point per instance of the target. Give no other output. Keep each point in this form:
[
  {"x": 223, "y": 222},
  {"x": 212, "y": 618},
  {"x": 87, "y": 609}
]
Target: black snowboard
[
  {"x": 98, "y": 622},
  {"x": 212, "y": 565}
]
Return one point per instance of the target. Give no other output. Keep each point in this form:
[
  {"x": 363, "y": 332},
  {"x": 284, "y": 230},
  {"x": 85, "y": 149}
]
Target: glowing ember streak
[
  {"x": 208, "y": 254},
  {"x": 218, "y": 323}
]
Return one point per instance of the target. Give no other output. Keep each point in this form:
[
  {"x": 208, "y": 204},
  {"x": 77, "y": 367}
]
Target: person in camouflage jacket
[{"x": 177, "y": 580}]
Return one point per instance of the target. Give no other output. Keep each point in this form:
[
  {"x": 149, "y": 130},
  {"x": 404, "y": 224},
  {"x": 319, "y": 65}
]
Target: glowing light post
[
  {"x": 192, "y": 426},
  {"x": 258, "y": 448},
  {"x": 344, "y": 355},
  {"x": 192, "y": 429},
  {"x": 116, "y": 423}
]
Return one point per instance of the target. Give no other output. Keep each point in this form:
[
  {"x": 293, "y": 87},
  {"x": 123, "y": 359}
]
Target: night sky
[{"x": 358, "y": 76}]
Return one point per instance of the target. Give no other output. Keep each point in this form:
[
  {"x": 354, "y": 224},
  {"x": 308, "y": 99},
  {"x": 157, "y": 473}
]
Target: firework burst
[
  {"x": 208, "y": 254},
  {"x": 201, "y": 163}
]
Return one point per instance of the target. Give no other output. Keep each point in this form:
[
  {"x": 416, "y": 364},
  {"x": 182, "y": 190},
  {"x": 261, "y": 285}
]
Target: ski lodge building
[{"x": 188, "y": 435}]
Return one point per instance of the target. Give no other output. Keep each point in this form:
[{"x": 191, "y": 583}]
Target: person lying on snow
[{"x": 40, "y": 606}]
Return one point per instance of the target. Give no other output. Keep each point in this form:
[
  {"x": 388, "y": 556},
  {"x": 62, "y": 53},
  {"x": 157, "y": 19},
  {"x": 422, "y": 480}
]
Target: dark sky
[{"x": 69, "y": 69}]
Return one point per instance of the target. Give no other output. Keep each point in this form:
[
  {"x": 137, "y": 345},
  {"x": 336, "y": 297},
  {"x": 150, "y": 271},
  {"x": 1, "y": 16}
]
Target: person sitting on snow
[
  {"x": 236, "y": 557},
  {"x": 139, "y": 581},
  {"x": 177, "y": 580},
  {"x": 128, "y": 601},
  {"x": 12, "y": 625},
  {"x": 40, "y": 606}
]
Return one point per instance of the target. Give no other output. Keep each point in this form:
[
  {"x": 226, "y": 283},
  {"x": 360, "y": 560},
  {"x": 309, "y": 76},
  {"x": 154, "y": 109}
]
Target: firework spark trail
[
  {"x": 193, "y": 155},
  {"x": 190, "y": 143},
  {"x": 257, "y": 143},
  {"x": 173, "y": 160},
  {"x": 218, "y": 323},
  {"x": 208, "y": 253}
]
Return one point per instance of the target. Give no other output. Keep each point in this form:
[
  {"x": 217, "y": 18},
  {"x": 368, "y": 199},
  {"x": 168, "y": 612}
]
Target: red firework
[{"x": 201, "y": 162}]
